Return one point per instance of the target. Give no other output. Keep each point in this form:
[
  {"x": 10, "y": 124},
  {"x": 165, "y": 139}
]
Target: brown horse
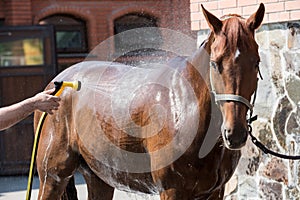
[{"x": 141, "y": 130}]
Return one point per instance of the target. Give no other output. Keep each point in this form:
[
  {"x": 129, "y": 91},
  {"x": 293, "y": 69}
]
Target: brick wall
[
  {"x": 276, "y": 10},
  {"x": 98, "y": 15},
  {"x": 2, "y": 10},
  {"x": 16, "y": 12}
]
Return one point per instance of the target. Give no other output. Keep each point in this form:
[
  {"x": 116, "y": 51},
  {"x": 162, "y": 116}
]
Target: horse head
[{"x": 234, "y": 66}]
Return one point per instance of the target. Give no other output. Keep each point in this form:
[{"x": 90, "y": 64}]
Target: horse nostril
[
  {"x": 228, "y": 131},
  {"x": 234, "y": 138},
  {"x": 227, "y": 135}
]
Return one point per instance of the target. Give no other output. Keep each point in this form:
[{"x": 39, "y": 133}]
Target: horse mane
[
  {"x": 236, "y": 32},
  {"x": 224, "y": 17}
]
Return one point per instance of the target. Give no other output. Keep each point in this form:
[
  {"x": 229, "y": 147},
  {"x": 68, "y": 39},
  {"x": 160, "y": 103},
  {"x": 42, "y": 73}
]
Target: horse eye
[
  {"x": 213, "y": 64},
  {"x": 216, "y": 66}
]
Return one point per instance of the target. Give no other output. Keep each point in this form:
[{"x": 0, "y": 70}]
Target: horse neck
[
  {"x": 199, "y": 63},
  {"x": 201, "y": 58}
]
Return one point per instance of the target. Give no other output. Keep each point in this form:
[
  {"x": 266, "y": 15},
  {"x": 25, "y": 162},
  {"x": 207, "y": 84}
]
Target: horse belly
[
  {"x": 129, "y": 182},
  {"x": 110, "y": 169},
  {"x": 118, "y": 158}
]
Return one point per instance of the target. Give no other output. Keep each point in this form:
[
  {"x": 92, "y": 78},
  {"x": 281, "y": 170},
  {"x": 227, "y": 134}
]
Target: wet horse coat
[{"x": 141, "y": 130}]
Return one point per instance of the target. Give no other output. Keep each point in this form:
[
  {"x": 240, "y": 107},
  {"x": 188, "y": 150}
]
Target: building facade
[
  {"x": 95, "y": 20},
  {"x": 78, "y": 27}
]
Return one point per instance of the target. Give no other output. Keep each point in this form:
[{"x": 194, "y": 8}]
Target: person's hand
[{"x": 46, "y": 102}]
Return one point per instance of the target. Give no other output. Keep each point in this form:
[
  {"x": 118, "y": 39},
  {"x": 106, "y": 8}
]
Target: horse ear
[
  {"x": 255, "y": 19},
  {"x": 213, "y": 22}
]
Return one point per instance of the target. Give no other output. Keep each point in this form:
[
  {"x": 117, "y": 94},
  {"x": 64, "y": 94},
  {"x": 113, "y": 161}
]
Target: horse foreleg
[
  {"x": 217, "y": 194},
  {"x": 97, "y": 189},
  {"x": 171, "y": 185},
  {"x": 173, "y": 194}
]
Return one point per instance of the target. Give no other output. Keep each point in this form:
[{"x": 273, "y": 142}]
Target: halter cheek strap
[{"x": 229, "y": 97}]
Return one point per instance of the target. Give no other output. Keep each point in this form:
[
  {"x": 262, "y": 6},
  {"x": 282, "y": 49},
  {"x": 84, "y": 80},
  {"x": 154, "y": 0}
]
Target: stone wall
[{"x": 261, "y": 176}]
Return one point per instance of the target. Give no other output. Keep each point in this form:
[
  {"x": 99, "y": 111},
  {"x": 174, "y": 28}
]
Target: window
[
  {"x": 137, "y": 42},
  {"x": 70, "y": 33},
  {"x": 22, "y": 52},
  {"x": 27, "y": 47}
]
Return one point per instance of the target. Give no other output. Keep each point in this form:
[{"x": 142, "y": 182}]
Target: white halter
[{"x": 230, "y": 97}]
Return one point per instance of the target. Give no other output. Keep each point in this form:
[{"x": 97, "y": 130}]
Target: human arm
[{"x": 43, "y": 101}]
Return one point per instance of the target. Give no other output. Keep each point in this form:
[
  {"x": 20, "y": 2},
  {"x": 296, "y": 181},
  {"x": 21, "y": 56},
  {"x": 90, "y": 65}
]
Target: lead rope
[{"x": 263, "y": 147}]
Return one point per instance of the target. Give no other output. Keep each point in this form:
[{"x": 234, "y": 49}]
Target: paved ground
[{"x": 14, "y": 188}]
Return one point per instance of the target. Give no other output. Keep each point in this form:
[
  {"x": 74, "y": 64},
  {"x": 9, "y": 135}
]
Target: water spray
[{"x": 59, "y": 87}]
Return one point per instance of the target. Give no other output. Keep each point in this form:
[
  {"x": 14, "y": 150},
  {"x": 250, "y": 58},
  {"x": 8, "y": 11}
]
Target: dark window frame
[
  {"x": 2, "y": 21},
  {"x": 131, "y": 21},
  {"x": 43, "y": 32},
  {"x": 76, "y": 25}
]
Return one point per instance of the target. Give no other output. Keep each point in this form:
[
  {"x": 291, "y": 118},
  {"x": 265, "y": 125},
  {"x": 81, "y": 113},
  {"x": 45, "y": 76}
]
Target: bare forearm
[
  {"x": 43, "y": 101},
  {"x": 11, "y": 115}
]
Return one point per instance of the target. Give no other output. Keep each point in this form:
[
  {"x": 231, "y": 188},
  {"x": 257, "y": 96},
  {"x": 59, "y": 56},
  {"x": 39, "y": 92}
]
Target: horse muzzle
[
  {"x": 234, "y": 132},
  {"x": 235, "y": 136}
]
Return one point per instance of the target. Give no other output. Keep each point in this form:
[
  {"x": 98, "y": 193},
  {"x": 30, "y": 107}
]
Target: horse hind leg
[
  {"x": 56, "y": 164},
  {"x": 53, "y": 181},
  {"x": 70, "y": 193},
  {"x": 97, "y": 188}
]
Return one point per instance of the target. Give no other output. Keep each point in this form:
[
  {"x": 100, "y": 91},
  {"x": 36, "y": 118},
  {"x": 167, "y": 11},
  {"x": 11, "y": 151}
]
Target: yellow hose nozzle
[
  {"x": 76, "y": 85},
  {"x": 59, "y": 86}
]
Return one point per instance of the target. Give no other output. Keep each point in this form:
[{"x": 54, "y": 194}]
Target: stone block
[
  {"x": 277, "y": 38},
  {"x": 270, "y": 190},
  {"x": 282, "y": 112},
  {"x": 292, "y": 63},
  {"x": 293, "y": 36},
  {"x": 276, "y": 170},
  {"x": 249, "y": 162},
  {"x": 247, "y": 187},
  {"x": 292, "y": 84}
]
